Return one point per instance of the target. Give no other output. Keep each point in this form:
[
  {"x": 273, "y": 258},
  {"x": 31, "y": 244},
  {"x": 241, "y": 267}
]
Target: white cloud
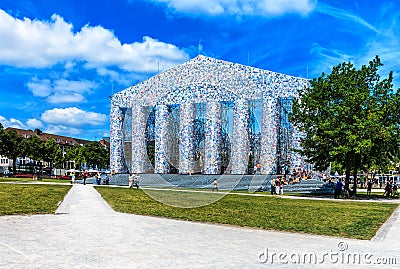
[
  {"x": 11, "y": 123},
  {"x": 63, "y": 98},
  {"x": 240, "y": 7},
  {"x": 34, "y": 43},
  {"x": 73, "y": 116},
  {"x": 34, "y": 124},
  {"x": 384, "y": 42},
  {"x": 61, "y": 129},
  {"x": 61, "y": 91},
  {"x": 40, "y": 88},
  {"x": 342, "y": 14},
  {"x": 80, "y": 86}
]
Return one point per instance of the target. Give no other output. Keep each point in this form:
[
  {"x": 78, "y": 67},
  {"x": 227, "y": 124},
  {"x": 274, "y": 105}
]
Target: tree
[
  {"x": 96, "y": 155},
  {"x": 350, "y": 117},
  {"x": 76, "y": 154},
  {"x": 12, "y": 146},
  {"x": 34, "y": 148},
  {"x": 53, "y": 154},
  {"x": 2, "y": 134}
]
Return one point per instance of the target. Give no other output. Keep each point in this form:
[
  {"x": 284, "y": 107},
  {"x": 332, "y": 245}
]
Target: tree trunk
[
  {"x": 14, "y": 165},
  {"x": 347, "y": 179},
  {"x": 355, "y": 182}
]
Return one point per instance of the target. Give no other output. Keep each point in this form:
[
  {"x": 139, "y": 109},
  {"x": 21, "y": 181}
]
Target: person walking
[
  {"x": 136, "y": 180},
  {"x": 131, "y": 180},
  {"x": 388, "y": 189},
  {"x": 278, "y": 186},
  {"x": 338, "y": 188},
  {"x": 369, "y": 187},
  {"x": 98, "y": 178},
  {"x": 215, "y": 188},
  {"x": 85, "y": 175},
  {"x": 273, "y": 190},
  {"x": 73, "y": 178}
]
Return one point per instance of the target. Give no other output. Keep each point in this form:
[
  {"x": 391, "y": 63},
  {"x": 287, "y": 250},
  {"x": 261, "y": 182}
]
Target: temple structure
[{"x": 206, "y": 116}]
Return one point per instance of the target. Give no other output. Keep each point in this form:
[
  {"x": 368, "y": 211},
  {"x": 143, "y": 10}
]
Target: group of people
[
  {"x": 391, "y": 190},
  {"x": 277, "y": 186},
  {"x": 97, "y": 176}
]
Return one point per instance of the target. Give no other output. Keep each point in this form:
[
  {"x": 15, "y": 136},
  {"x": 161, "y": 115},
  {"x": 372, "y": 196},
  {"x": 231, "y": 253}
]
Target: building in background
[{"x": 65, "y": 143}]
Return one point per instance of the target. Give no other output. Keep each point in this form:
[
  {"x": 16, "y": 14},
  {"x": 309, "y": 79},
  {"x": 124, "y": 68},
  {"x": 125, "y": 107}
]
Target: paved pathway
[{"x": 87, "y": 233}]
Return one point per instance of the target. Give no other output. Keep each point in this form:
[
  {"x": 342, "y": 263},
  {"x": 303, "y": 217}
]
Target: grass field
[
  {"x": 19, "y": 199},
  {"x": 344, "y": 219},
  {"x": 21, "y": 179}
]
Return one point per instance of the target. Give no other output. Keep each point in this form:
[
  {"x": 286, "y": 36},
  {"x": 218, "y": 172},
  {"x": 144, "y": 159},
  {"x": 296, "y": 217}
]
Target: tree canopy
[
  {"x": 93, "y": 154},
  {"x": 96, "y": 155},
  {"x": 11, "y": 145},
  {"x": 350, "y": 117}
]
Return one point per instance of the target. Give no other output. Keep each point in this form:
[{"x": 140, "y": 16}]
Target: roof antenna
[
  {"x": 248, "y": 58},
  {"x": 199, "y": 47},
  {"x": 307, "y": 71}
]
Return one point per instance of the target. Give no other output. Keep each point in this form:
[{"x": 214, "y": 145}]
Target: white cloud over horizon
[
  {"x": 40, "y": 44},
  {"x": 239, "y": 7},
  {"x": 57, "y": 128},
  {"x": 12, "y": 122},
  {"x": 73, "y": 116},
  {"x": 62, "y": 129},
  {"x": 34, "y": 123}
]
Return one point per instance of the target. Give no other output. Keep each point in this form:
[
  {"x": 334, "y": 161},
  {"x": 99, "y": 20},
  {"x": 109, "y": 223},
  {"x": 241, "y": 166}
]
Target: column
[
  {"x": 269, "y": 135},
  {"x": 240, "y": 145},
  {"x": 297, "y": 161},
  {"x": 212, "y": 163},
  {"x": 186, "y": 141},
  {"x": 139, "y": 150},
  {"x": 116, "y": 139},
  {"x": 161, "y": 140}
]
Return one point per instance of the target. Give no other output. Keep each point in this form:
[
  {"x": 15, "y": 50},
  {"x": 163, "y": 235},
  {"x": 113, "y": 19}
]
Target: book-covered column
[
  {"x": 212, "y": 163},
  {"x": 269, "y": 135},
  {"x": 139, "y": 151},
  {"x": 162, "y": 140},
  {"x": 240, "y": 145},
  {"x": 186, "y": 141},
  {"x": 116, "y": 139}
]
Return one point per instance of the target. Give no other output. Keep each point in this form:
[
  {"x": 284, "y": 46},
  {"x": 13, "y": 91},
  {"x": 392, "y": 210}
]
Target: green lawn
[
  {"x": 18, "y": 199},
  {"x": 21, "y": 179},
  {"x": 344, "y": 219}
]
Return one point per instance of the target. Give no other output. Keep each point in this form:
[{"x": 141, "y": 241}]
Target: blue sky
[{"x": 61, "y": 60}]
